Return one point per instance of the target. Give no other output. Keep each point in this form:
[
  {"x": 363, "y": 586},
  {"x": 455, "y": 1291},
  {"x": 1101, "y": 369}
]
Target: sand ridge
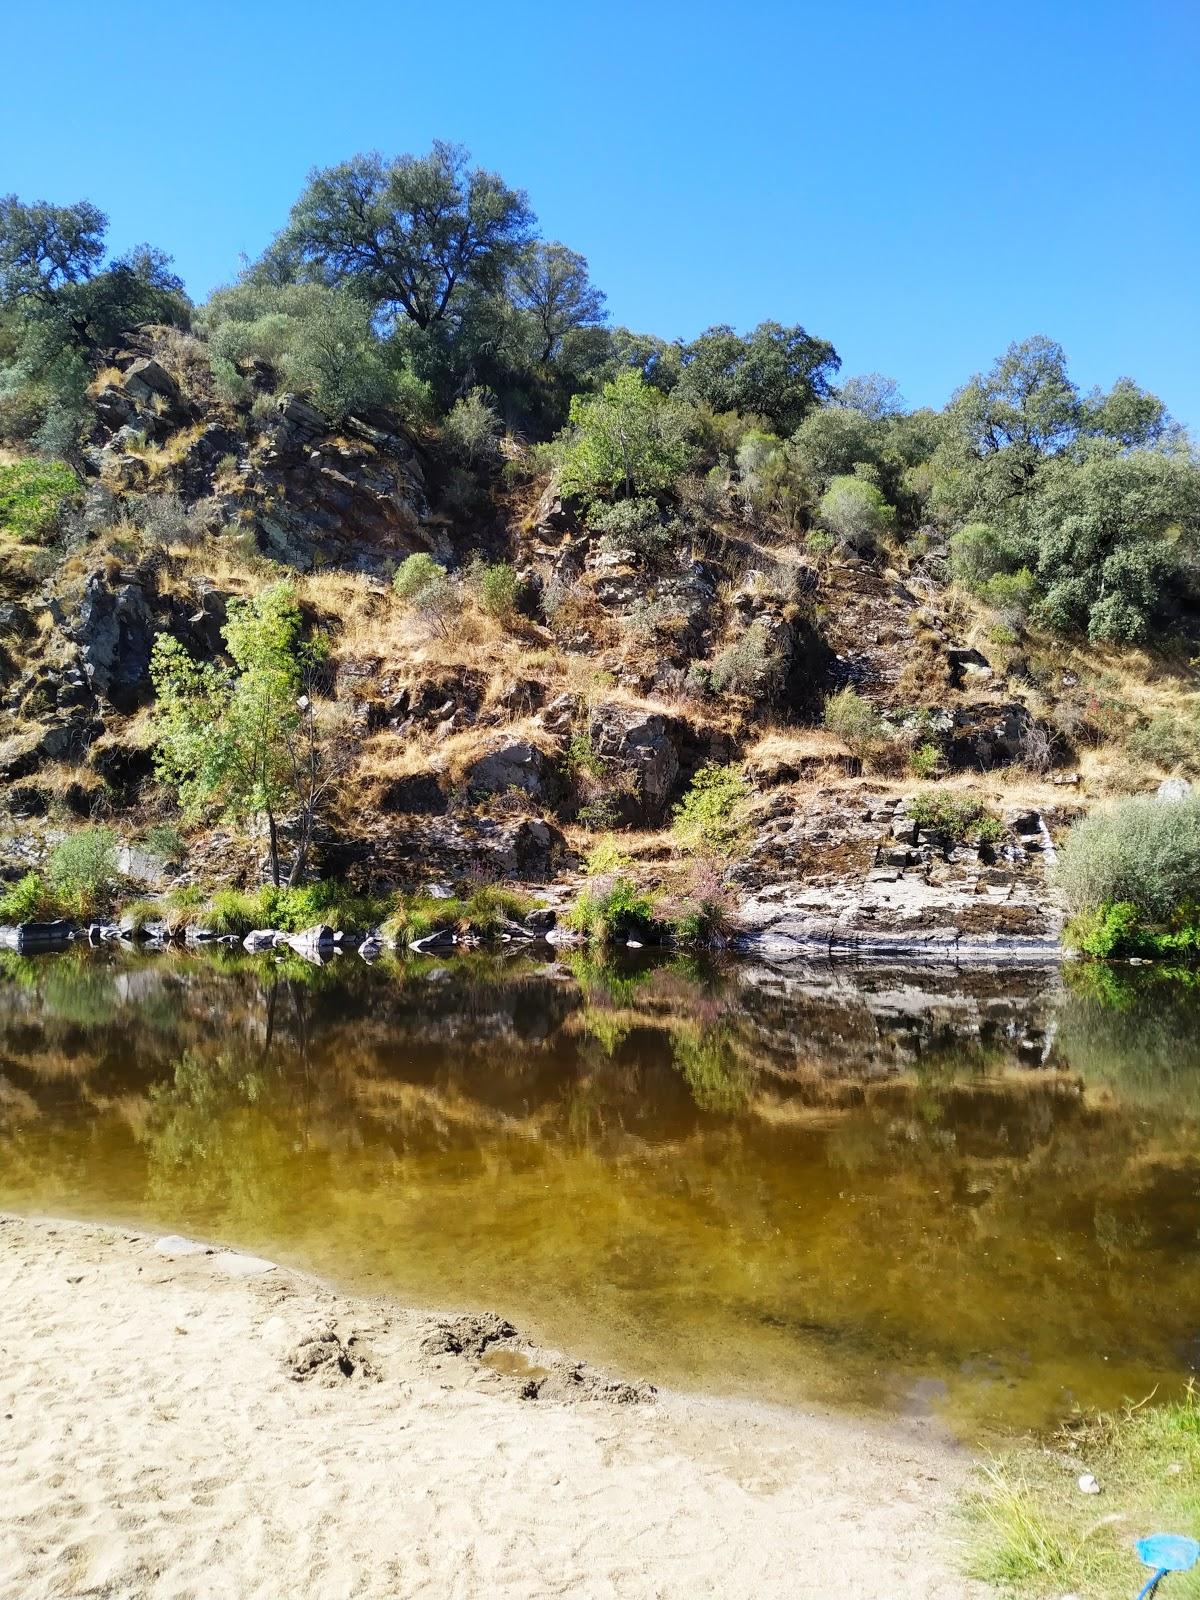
[{"x": 179, "y": 1422}]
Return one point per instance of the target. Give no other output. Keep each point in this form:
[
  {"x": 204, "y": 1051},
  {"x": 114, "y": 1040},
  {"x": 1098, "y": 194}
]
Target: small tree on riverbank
[{"x": 242, "y": 740}]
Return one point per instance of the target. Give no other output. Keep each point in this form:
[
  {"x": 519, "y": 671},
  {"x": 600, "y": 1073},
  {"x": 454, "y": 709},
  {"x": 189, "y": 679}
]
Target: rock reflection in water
[{"x": 948, "y": 1192}]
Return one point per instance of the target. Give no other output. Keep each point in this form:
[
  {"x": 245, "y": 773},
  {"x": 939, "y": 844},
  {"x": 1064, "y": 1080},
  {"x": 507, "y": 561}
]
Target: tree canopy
[{"x": 412, "y": 234}]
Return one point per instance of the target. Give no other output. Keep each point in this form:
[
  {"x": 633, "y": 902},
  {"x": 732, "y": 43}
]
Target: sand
[{"x": 177, "y": 1421}]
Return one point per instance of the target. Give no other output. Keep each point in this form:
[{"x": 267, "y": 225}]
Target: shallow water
[{"x": 973, "y": 1195}]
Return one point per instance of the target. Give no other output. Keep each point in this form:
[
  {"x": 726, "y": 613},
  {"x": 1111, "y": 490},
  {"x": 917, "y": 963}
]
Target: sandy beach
[{"x": 181, "y": 1421}]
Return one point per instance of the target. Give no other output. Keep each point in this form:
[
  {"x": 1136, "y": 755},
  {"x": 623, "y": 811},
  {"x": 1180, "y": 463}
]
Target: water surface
[{"x": 968, "y": 1194}]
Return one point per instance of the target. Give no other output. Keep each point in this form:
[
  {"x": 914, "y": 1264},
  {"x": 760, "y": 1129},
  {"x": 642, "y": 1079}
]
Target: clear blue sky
[{"x": 919, "y": 181}]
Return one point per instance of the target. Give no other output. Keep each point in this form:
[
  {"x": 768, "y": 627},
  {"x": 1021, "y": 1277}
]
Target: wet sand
[{"x": 178, "y": 1421}]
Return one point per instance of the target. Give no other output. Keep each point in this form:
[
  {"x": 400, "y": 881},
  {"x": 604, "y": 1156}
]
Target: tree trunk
[
  {"x": 301, "y": 857},
  {"x": 273, "y": 834}
]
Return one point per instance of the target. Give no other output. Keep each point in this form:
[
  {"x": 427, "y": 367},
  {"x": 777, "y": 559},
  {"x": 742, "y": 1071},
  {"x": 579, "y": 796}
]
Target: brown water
[{"x": 969, "y": 1194}]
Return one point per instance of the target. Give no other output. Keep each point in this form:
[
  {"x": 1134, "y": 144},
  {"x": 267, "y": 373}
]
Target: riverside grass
[{"x": 1031, "y": 1530}]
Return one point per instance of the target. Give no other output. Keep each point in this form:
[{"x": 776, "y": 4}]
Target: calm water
[{"x": 975, "y": 1195}]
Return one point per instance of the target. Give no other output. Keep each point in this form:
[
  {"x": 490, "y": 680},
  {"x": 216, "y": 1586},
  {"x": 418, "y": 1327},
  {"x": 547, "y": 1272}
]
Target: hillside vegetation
[{"x": 397, "y": 561}]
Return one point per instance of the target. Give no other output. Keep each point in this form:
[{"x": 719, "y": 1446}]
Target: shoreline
[{"x": 179, "y": 1417}]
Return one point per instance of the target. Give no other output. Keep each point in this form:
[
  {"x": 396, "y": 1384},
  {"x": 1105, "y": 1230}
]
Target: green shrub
[
  {"x": 1105, "y": 932},
  {"x": 423, "y": 586},
  {"x": 613, "y": 909},
  {"x": 33, "y": 496},
  {"x": 80, "y": 869},
  {"x": 630, "y": 437},
  {"x": 472, "y": 428},
  {"x": 959, "y": 818},
  {"x": 1169, "y": 740},
  {"x": 1142, "y": 851},
  {"x": 856, "y": 513},
  {"x": 855, "y": 721},
  {"x": 27, "y": 900},
  {"x": 495, "y": 588},
  {"x": 925, "y": 761},
  {"x": 977, "y": 554},
  {"x": 751, "y": 666},
  {"x": 634, "y": 525},
  {"x": 710, "y": 815}
]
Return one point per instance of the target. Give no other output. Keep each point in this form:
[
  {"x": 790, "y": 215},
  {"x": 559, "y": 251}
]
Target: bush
[
  {"x": 237, "y": 911},
  {"x": 319, "y": 340},
  {"x": 751, "y": 666},
  {"x": 495, "y": 588},
  {"x": 925, "y": 761},
  {"x": 957, "y": 817},
  {"x": 977, "y": 555},
  {"x": 33, "y": 497},
  {"x": 855, "y": 721},
  {"x": 1145, "y": 852},
  {"x": 634, "y": 525},
  {"x": 27, "y": 900},
  {"x": 81, "y": 868},
  {"x": 706, "y": 909},
  {"x": 611, "y": 909},
  {"x": 424, "y": 587},
  {"x": 1169, "y": 740},
  {"x": 472, "y": 428},
  {"x": 709, "y": 817},
  {"x": 856, "y": 513},
  {"x": 629, "y": 437}
]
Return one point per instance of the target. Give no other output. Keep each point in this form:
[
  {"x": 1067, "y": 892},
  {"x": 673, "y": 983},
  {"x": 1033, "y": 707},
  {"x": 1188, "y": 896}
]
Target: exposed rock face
[
  {"x": 357, "y": 497},
  {"x": 115, "y": 635},
  {"x": 851, "y": 875},
  {"x": 643, "y": 748},
  {"x": 517, "y": 765}
]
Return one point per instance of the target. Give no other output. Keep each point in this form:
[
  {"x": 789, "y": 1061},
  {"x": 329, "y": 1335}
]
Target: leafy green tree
[
  {"x": 551, "y": 288},
  {"x": 871, "y": 395},
  {"x": 776, "y": 373},
  {"x": 411, "y": 234},
  {"x": 833, "y": 440},
  {"x": 242, "y": 740},
  {"x": 628, "y": 437},
  {"x": 59, "y": 303},
  {"x": 1113, "y": 540}
]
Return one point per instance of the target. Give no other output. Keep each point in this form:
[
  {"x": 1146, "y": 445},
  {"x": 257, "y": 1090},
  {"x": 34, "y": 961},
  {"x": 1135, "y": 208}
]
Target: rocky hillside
[{"x": 905, "y": 760}]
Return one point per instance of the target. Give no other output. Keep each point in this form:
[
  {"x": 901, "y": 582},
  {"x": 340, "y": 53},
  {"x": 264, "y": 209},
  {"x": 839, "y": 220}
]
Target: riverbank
[{"x": 185, "y": 1422}]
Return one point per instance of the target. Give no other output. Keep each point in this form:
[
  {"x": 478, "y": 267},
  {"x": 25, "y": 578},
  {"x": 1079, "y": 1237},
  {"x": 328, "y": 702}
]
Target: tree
[
  {"x": 59, "y": 304},
  {"x": 242, "y": 739},
  {"x": 832, "y": 440},
  {"x": 45, "y": 249},
  {"x": 629, "y": 436},
  {"x": 50, "y": 258},
  {"x": 871, "y": 394},
  {"x": 411, "y": 234},
  {"x": 1113, "y": 539},
  {"x": 775, "y": 372},
  {"x": 551, "y": 287}
]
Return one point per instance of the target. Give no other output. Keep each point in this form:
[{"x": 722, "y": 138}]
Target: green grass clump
[
  {"x": 612, "y": 909},
  {"x": 1032, "y": 1532},
  {"x": 33, "y": 496},
  {"x": 292, "y": 910}
]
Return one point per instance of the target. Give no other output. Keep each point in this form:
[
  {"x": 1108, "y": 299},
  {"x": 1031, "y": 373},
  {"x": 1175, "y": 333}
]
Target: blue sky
[{"x": 920, "y": 182}]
